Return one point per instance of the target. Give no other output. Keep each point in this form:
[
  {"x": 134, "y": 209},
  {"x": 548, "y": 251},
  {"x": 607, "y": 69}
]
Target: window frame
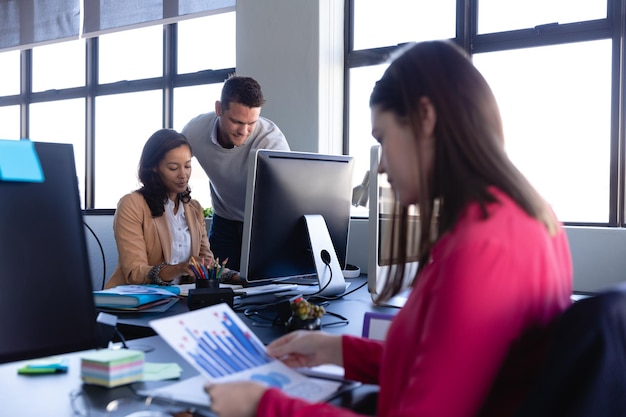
[
  {"x": 169, "y": 81},
  {"x": 612, "y": 27}
]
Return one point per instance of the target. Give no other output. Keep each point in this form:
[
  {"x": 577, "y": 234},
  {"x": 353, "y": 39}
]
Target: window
[
  {"x": 555, "y": 85},
  {"x": 362, "y": 81},
  {"x": 206, "y": 43},
  {"x": 58, "y": 66},
  {"x": 188, "y": 103},
  {"x": 391, "y": 22},
  {"x": 124, "y": 122},
  {"x": 9, "y": 73},
  {"x": 131, "y": 55},
  {"x": 555, "y": 103},
  {"x": 500, "y": 16},
  {"x": 109, "y": 117},
  {"x": 62, "y": 121},
  {"x": 10, "y": 126}
]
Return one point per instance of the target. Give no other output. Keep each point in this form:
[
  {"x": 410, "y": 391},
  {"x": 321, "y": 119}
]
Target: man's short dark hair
[{"x": 242, "y": 90}]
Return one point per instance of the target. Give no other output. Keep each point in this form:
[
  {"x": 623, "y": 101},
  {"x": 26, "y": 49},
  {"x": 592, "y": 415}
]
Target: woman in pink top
[{"x": 493, "y": 275}]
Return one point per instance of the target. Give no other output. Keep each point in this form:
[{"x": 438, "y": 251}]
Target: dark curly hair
[
  {"x": 153, "y": 189},
  {"x": 242, "y": 90}
]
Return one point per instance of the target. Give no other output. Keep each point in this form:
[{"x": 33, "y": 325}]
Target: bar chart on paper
[
  {"x": 227, "y": 352},
  {"x": 222, "y": 348},
  {"x": 214, "y": 341}
]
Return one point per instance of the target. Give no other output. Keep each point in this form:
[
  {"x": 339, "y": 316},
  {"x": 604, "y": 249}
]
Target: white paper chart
[{"x": 222, "y": 348}]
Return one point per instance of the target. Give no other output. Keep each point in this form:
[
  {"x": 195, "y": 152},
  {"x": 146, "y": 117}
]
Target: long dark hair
[
  {"x": 153, "y": 190},
  {"x": 469, "y": 144}
]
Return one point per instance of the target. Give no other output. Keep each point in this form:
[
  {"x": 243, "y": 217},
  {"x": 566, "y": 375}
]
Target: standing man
[{"x": 222, "y": 141}]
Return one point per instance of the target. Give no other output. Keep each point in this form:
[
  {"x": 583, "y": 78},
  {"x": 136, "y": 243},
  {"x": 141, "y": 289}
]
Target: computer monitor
[
  {"x": 46, "y": 302},
  {"x": 381, "y": 262},
  {"x": 297, "y": 217}
]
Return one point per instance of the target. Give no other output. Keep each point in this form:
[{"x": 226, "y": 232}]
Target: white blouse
[{"x": 179, "y": 231}]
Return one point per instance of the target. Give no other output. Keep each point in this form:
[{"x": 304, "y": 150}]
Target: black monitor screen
[
  {"x": 284, "y": 186},
  {"x": 46, "y": 302}
]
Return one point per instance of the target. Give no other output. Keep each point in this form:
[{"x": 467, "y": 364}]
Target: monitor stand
[
  {"x": 396, "y": 301},
  {"x": 329, "y": 273}
]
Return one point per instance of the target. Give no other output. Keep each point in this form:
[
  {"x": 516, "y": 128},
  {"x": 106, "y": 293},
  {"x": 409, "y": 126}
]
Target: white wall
[
  {"x": 294, "y": 48},
  {"x": 599, "y": 256}
]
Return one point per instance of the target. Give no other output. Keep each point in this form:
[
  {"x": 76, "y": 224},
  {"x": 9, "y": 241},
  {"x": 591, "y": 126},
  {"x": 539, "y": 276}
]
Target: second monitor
[{"x": 278, "y": 240}]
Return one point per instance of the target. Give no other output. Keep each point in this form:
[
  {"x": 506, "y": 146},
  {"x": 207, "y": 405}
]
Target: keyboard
[
  {"x": 300, "y": 280},
  {"x": 264, "y": 289}
]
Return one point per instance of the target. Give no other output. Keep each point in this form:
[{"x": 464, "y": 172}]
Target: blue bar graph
[
  {"x": 222, "y": 348},
  {"x": 226, "y": 351}
]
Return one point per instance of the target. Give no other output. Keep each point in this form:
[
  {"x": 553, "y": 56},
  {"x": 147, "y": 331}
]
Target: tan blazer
[{"x": 143, "y": 241}]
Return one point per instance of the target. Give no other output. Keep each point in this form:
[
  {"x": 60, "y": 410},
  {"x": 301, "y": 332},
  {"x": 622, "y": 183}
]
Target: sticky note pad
[
  {"x": 19, "y": 161},
  {"x": 111, "y": 368},
  {"x": 161, "y": 371}
]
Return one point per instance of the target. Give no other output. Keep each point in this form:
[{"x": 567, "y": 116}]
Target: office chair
[{"x": 585, "y": 370}]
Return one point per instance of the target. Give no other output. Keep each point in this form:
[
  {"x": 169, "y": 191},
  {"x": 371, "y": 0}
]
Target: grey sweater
[{"x": 227, "y": 169}]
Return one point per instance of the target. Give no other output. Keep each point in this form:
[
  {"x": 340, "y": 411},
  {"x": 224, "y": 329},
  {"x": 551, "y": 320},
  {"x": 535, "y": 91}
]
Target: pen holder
[
  {"x": 204, "y": 297},
  {"x": 207, "y": 283}
]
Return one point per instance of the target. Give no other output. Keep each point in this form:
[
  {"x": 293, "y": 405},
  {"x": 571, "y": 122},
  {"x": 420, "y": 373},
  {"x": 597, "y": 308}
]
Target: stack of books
[{"x": 130, "y": 298}]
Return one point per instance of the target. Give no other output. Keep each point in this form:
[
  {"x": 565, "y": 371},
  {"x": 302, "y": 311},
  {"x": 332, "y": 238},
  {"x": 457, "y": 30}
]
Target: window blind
[
  {"x": 103, "y": 16},
  {"x": 27, "y": 23}
]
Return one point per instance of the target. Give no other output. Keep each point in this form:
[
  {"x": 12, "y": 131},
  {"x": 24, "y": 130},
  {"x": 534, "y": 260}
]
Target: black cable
[
  {"x": 122, "y": 339},
  {"x": 338, "y": 297},
  {"x": 343, "y": 320},
  {"x": 104, "y": 262},
  {"x": 254, "y": 311},
  {"x": 326, "y": 259}
]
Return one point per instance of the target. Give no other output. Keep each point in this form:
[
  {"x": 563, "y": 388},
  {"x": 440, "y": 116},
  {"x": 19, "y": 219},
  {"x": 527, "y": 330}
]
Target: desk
[
  {"x": 353, "y": 306},
  {"x": 51, "y": 394}
]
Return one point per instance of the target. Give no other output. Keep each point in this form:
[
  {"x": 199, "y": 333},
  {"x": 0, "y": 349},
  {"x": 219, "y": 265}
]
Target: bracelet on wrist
[
  {"x": 228, "y": 275},
  {"x": 153, "y": 275}
]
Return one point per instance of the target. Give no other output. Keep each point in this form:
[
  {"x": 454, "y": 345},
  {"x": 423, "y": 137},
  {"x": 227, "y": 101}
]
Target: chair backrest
[
  {"x": 101, "y": 247},
  {"x": 585, "y": 370}
]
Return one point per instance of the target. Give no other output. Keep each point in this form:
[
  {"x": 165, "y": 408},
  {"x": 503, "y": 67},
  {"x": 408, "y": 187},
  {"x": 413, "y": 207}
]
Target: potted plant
[{"x": 305, "y": 315}]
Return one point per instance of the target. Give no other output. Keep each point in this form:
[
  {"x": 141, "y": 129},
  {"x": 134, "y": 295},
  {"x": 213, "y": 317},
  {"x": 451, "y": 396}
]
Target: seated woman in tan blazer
[{"x": 159, "y": 228}]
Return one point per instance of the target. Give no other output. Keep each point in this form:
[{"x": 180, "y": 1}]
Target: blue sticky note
[
  {"x": 19, "y": 161},
  {"x": 52, "y": 365}
]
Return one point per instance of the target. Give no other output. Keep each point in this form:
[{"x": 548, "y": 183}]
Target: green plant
[
  {"x": 208, "y": 212},
  {"x": 304, "y": 310}
]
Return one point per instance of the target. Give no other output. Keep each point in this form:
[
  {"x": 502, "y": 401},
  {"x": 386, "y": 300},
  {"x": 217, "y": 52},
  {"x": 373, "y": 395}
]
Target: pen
[
  {"x": 219, "y": 274},
  {"x": 198, "y": 268},
  {"x": 195, "y": 271}
]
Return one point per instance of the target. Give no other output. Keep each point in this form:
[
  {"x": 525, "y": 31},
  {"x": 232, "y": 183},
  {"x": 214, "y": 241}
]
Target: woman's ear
[{"x": 428, "y": 116}]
